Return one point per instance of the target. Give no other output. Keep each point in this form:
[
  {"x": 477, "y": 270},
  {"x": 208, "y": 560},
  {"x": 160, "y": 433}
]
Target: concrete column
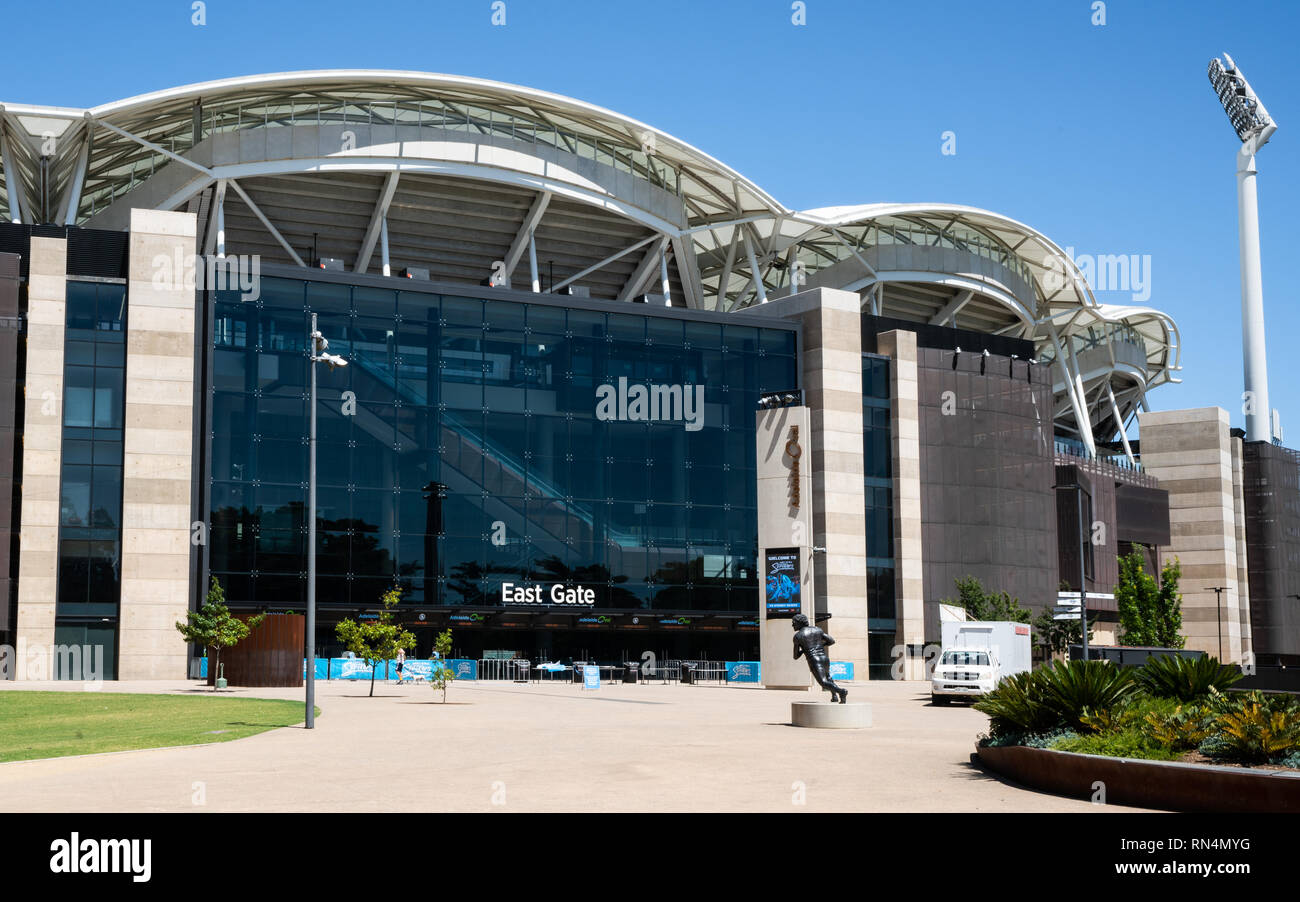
[
  {"x": 905, "y": 432},
  {"x": 1191, "y": 453},
  {"x": 785, "y": 513},
  {"x": 831, "y": 370},
  {"x": 156, "y": 512},
  {"x": 1242, "y": 600},
  {"x": 42, "y": 444}
]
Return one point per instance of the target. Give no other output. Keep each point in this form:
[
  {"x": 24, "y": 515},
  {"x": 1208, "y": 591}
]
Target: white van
[{"x": 976, "y": 656}]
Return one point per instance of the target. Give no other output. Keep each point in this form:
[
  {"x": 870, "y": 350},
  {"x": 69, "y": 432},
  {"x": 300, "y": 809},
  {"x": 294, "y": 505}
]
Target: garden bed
[{"x": 1166, "y": 785}]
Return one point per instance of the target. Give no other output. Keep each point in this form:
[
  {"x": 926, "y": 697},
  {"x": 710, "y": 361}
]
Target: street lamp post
[
  {"x": 1218, "y": 615},
  {"x": 1254, "y": 127},
  {"x": 317, "y": 345}
]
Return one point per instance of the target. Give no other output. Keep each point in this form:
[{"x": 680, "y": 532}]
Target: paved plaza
[{"x": 546, "y": 747}]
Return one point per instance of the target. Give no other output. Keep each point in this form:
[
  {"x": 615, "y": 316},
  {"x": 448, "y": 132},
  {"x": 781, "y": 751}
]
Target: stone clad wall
[
  {"x": 42, "y": 442},
  {"x": 158, "y": 445}
]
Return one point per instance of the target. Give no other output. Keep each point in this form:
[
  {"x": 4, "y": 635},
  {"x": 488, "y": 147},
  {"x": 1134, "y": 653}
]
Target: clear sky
[{"x": 1107, "y": 138}]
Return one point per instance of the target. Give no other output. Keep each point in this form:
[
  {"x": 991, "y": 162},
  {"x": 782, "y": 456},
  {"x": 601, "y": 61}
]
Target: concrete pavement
[{"x": 545, "y": 747}]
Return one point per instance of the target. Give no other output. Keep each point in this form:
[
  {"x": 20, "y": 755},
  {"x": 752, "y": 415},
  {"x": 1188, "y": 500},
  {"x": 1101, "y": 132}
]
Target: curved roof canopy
[{"x": 471, "y": 178}]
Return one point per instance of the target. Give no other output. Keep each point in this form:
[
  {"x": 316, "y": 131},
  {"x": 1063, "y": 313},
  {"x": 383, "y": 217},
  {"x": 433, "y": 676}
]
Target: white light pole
[
  {"x": 1254, "y": 127},
  {"x": 317, "y": 344}
]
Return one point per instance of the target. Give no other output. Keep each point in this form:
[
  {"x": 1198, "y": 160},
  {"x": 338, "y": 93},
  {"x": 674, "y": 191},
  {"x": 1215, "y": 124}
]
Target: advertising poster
[{"x": 782, "y": 574}]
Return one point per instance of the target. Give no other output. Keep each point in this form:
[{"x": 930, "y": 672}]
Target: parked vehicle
[{"x": 976, "y": 655}]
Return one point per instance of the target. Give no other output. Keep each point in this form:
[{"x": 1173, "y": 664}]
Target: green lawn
[{"x": 54, "y": 724}]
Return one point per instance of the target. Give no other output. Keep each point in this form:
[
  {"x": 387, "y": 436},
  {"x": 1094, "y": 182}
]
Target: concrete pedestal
[{"x": 831, "y": 716}]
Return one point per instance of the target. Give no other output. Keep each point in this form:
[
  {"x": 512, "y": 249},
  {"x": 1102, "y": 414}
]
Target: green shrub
[
  {"x": 1109, "y": 720},
  {"x": 1049, "y": 739},
  {"x": 1015, "y": 708},
  {"x": 1185, "y": 679},
  {"x": 1131, "y": 743},
  {"x": 1291, "y": 760},
  {"x": 1252, "y": 728},
  {"x": 1072, "y": 689},
  {"x": 1181, "y": 729}
]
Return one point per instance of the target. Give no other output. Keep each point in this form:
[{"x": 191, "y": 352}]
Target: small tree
[
  {"x": 982, "y": 605},
  {"x": 214, "y": 627},
  {"x": 440, "y": 674},
  {"x": 1056, "y": 636},
  {"x": 376, "y": 640},
  {"x": 1149, "y": 614}
]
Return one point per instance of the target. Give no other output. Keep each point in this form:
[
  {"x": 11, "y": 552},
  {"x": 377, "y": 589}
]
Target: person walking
[{"x": 401, "y": 659}]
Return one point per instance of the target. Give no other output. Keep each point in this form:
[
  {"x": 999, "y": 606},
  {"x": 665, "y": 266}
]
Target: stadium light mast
[
  {"x": 317, "y": 344},
  {"x": 1254, "y": 127}
]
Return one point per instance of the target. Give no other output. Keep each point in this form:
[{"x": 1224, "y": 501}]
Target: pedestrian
[{"x": 401, "y": 659}]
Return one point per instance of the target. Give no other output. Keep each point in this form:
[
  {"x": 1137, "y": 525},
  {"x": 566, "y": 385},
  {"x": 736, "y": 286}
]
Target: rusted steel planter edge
[{"x": 1166, "y": 785}]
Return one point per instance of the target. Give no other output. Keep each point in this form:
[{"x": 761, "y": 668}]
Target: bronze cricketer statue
[{"x": 812, "y": 641}]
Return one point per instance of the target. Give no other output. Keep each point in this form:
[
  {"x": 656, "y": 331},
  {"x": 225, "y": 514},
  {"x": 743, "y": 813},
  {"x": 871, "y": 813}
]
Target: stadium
[{"x": 517, "y": 280}]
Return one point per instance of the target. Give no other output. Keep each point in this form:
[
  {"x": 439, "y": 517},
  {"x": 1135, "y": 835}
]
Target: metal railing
[{"x": 514, "y": 669}]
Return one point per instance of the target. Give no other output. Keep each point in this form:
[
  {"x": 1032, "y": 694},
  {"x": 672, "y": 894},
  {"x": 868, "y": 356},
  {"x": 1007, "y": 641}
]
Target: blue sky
[{"x": 1106, "y": 138}]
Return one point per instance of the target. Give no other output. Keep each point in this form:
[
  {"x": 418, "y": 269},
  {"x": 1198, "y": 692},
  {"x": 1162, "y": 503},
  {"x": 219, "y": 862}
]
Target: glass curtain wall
[
  {"x": 463, "y": 448},
  {"x": 90, "y": 512},
  {"x": 877, "y": 454}
]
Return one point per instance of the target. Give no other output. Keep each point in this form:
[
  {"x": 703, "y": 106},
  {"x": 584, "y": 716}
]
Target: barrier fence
[{"x": 522, "y": 670}]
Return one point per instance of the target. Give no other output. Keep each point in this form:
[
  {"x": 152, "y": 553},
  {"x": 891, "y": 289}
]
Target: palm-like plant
[
  {"x": 1015, "y": 707},
  {"x": 1185, "y": 679},
  {"x": 1254, "y": 727},
  {"x": 1071, "y": 689}
]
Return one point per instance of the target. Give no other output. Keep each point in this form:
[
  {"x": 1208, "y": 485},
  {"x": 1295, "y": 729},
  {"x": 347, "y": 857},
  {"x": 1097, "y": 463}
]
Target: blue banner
[
  {"x": 743, "y": 671},
  {"x": 464, "y": 668},
  {"x": 354, "y": 669},
  {"x": 590, "y": 677},
  {"x": 842, "y": 670}
]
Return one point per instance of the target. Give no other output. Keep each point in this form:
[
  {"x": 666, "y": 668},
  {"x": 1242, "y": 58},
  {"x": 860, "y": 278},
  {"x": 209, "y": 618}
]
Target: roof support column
[
  {"x": 383, "y": 247},
  {"x": 532, "y": 264},
  {"x": 1085, "y": 425},
  {"x": 524, "y": 236},
  {"x": 72, "y": 196},
  {"x": 221, "y": 219},
  {"x": 261, "y": 217},
  {"x": 13, "y": 180},
  {"x": 1119, "y": 421},
  {"x": 378, "y": 220},
  {"x": 753, "y": 269},
  {"x": 1076, "y": 402},
  {"x": 644, "y": 272},
  {"x": 663, "y": 277},
  {"x": 721, "y": 302}
]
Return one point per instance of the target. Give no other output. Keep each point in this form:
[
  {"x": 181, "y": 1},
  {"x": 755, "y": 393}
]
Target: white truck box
[{"x": 960, "y": 672}]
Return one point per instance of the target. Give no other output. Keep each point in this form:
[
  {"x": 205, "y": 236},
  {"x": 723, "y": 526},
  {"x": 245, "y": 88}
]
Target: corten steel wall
[
  {"x": 10, "y": 333},
  {"x": 272, "y": 655},
  {"x": 986, "y": 475},
  {"x": 1127, "y": 508},
  {"x": 1272, "y": 496}
]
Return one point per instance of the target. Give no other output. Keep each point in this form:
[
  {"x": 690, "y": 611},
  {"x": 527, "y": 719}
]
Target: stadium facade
[{"x": 598, "y": 384}]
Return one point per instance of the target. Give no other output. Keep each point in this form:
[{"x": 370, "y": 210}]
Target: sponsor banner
[
  {"x": 415, "y": 667},
  {"x": 464, "y": 668},
  {"x": 355, "y": 669},
  {"x": 590, "y": 677},
  {"x": 743, "y": 671},
  {"x": 783, "y": 580},
  {"x": 842, "y": 670}
]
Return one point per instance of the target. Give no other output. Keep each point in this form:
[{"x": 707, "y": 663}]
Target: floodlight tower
[{"x": 1254, "y": 127}]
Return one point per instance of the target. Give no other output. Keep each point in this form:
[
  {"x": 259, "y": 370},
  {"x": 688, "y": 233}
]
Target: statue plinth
[{"x": 831, "y": 716}]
